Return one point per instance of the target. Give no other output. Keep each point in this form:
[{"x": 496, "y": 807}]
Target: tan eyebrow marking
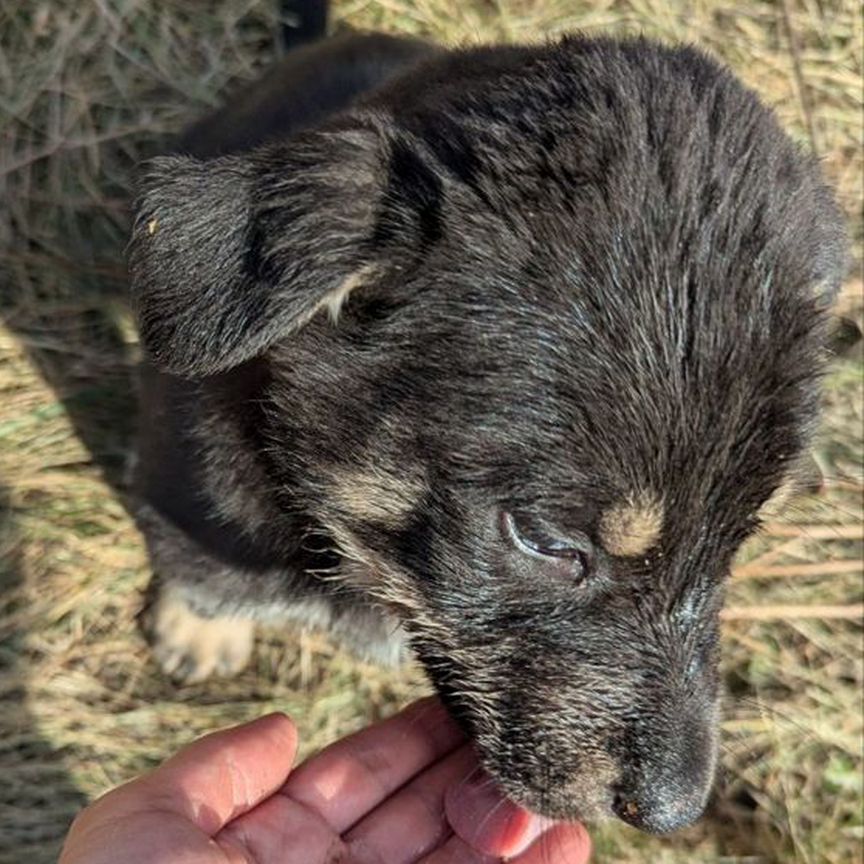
[{"x": 632, "y": 526}]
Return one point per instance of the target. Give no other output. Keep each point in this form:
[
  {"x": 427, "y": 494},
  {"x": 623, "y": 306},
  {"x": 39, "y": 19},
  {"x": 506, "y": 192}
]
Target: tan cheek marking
[
  {"x": 378, "y": 496},
  {"x": 632, "y": 526}
]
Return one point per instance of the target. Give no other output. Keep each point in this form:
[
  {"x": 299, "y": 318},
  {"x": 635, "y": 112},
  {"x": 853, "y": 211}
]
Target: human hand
[{"x": 405, "y": 790}]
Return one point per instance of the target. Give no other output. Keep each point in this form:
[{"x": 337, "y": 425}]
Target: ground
[{"x": 89, "y": 88}]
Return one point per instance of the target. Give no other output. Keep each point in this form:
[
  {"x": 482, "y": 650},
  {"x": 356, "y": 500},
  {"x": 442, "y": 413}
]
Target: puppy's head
[{"x": 544, "y": 329}]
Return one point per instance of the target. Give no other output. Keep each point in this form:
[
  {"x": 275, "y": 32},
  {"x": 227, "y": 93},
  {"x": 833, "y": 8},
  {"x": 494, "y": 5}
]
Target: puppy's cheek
[
  {"x": 381, "y": 497},
  {"x": 190, "y": 648},
  {"x": 368, "y": 571}
]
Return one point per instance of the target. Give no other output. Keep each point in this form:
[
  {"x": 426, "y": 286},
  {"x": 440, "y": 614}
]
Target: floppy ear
[{"x": 229, "y": 254}]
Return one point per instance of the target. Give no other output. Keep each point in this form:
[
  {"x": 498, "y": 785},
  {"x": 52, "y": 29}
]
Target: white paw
[{"x": 190, "y": 648}]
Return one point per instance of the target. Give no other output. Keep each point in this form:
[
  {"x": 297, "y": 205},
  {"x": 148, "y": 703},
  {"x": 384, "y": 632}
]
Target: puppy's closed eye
[{"x": 573, "y": 555}]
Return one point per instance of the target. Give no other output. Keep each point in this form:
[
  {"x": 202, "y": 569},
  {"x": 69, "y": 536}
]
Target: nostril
[
  {"x": 626, "y": 807},
  {"x": 656, "y": 814}
]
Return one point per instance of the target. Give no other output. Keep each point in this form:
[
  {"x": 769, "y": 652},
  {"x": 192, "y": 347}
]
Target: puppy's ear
[{"x": 229, "y": 254}]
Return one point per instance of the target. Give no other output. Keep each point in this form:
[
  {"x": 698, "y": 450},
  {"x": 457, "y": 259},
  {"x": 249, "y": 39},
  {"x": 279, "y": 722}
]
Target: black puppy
[{"x": 495, "y": 354}]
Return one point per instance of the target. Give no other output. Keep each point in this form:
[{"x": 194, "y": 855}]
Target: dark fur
[{"x": 591, "y": 268}]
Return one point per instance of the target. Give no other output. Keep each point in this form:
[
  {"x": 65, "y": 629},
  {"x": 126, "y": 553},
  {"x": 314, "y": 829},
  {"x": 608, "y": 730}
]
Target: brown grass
[{"x": 88, "y": 88}]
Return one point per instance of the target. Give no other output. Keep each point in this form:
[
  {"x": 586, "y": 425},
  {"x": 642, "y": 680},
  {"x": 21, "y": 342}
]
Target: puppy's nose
[
  {"x": 670, "y": 773},
  {"x": 659, "y": 808}
]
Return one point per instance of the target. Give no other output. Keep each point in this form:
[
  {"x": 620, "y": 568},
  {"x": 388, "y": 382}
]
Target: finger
[
  {"x": 351, "y": 777},
  {"x": 222, "y": 775},
  {"x": 560, "y": 844},
  {"x": 416, "y": 811},
  {"x": 487, "y": 820},
  {"x": 457, "y": 851},
  {"x": 281, "y": 831},
  {"x": 281, "y": 824}
]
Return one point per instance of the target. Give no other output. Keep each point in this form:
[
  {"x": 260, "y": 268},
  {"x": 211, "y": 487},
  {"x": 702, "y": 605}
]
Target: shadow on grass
[
  {"x": 96, "y": 88},
  {"x": 37, "y": 798},
  {"x": 62, "y": 295}
]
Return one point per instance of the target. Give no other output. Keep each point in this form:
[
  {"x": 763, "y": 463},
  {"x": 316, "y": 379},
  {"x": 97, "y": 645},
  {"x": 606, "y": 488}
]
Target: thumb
[
  {"x": 222, "y": 775},
  {"x": 188, "y": 799}
]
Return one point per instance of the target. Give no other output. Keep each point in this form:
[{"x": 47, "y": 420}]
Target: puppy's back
[{"x": 311, "y": 83}]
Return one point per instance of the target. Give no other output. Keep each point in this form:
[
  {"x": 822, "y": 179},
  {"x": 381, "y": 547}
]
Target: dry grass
[{"x": 90, "y": 87}]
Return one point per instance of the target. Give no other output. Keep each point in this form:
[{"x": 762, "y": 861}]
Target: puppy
[{"x": 495, "y": 356}]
